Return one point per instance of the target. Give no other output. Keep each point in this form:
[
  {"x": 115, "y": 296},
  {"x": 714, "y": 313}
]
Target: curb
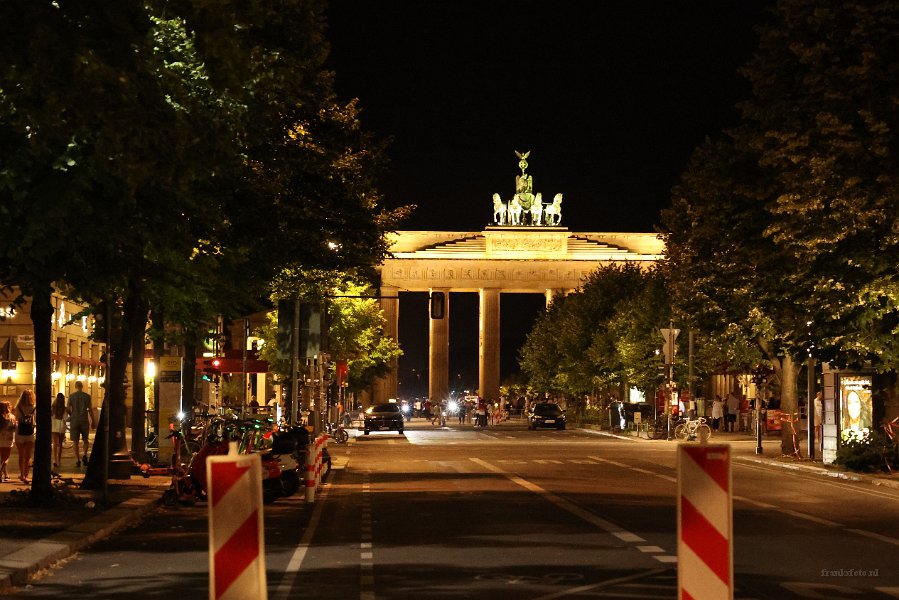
[
  {"x": 824, "y": 472},
  {"x": 18, "y": 567},
  {"x": 809, "y": 468}
]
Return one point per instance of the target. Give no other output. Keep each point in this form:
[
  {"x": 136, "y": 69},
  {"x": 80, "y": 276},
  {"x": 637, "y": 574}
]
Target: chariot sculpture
[{"x": 525, "y": 207}]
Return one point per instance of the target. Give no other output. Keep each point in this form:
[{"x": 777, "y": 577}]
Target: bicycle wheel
[
  {"x": 342, "y": 436},
  {"x": 704, "y": 432},
  {"x": 680, "y": 432}
]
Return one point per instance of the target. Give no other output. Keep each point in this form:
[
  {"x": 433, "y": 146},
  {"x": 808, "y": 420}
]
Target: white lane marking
[
  {"x": 876, "y": 536},
  {"x": 609, "y": 462},
  {"x": 665, "y": 558},
  {"x": 296, "y": 560},
  {"x": 366, "y": 547},
  {"x": 650, "y": 549},
  {"x": 632, "y": 468},
  {"x": 564, "y": 504},
  {"x": 603, "y": 584}
]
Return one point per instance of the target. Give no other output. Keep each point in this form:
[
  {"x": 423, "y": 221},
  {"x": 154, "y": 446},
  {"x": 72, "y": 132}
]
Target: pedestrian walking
[
  {"x": 24, "y": 414},
  {"x": 7, "y": 437},
  {"x": 81, "y": 416},
  {"x": 818, "y": 407},
  {"x": 733, "y": 408},
  {"x": 717, "y": 412},
  {"x": 58, "y": 428},
  {"x": 481, "y": 413}
]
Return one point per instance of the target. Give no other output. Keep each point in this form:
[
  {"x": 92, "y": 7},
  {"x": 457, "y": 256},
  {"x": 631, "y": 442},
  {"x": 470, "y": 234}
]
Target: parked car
[
  {"x": 546, "y": 414},
  {"x": 383, "y": 417}
]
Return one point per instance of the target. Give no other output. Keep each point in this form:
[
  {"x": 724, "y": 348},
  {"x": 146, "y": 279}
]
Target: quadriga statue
[
  {"x": 500, "y": 210},
  {"x": 553, "y": 212}
]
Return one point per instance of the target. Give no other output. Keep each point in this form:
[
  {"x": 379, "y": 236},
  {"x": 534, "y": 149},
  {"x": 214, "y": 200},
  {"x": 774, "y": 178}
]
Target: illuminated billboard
[{"x": 856, "y": 407}]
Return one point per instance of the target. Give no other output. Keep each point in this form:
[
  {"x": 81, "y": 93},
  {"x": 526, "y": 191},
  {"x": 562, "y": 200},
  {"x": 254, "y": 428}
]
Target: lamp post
[
  {"x": 810, "y": 416},
  {"x": 760, "y": 379}
]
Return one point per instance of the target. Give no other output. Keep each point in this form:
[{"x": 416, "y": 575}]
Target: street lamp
[{"x": 760, "y": 379}]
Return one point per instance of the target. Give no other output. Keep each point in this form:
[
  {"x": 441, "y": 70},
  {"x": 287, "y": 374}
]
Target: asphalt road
[{"x": 509, "y": 513}]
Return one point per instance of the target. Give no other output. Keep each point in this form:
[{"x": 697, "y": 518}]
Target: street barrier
[
  {"x": 705, "y": 566},
  {"x": 236, "y": 532},
  {"x": 310, "y": 473},
  {"x": 313, "y": 465}
]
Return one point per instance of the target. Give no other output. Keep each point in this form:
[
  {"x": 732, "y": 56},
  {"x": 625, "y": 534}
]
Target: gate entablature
[{"x": 513, "y": 259}]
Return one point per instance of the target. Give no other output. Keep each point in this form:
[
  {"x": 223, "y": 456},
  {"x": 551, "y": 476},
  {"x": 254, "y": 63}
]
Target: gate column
[
  {"x": 488, "y": 346},
  {"x": 552, "y": 294},
  {"x": 386, "y": 387},
  {"x": 438, "y": 352}
]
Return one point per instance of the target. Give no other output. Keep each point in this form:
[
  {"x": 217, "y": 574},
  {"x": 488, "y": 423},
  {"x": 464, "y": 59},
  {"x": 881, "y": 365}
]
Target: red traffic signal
[{"x": 212, "y": 370}]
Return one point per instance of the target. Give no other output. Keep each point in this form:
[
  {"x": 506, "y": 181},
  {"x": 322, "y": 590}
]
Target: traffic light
[
  {"x": 212, "y": 370},
  {"x": 438, "y": 305}
]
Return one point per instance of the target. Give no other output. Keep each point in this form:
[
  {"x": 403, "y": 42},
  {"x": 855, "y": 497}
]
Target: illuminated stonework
[
  {"x": 551, "y": 261},
  {"x": 526, "y": 208}
]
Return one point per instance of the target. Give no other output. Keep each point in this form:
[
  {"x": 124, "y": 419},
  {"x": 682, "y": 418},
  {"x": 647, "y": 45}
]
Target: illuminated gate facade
[{"x": 501, "y": 259}]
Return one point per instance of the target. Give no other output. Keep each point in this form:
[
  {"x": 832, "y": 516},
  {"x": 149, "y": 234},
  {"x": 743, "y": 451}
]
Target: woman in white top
[
  {"x": 717, "y": 412},
  {"x": 58, "y": 427}
]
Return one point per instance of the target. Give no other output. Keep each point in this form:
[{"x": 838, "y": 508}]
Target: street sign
[
  {"x": 236, "y": 532},
  {"x": 705, "y": 550}
]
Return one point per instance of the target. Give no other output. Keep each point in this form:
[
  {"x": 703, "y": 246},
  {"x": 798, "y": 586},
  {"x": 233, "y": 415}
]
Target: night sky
[{"x": 610, "y": 97}]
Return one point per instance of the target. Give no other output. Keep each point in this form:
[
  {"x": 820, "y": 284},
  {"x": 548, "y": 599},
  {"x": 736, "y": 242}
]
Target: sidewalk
[
  {"x": 32, "y": 539},
  {"x": 743, "y": 447}
]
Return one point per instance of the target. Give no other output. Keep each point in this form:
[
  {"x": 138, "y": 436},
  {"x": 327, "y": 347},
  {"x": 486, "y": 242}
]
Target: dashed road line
[
  {"x": 366, "y": 545},
  {"x": 568, "y": 506},
  {"x": 633, "y": 468}
]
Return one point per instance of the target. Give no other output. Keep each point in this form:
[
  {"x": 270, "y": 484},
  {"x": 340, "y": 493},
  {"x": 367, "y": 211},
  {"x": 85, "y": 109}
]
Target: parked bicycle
[
  {"x": 337, "y": 433},
  {"x": 656, "y": 429},
  {"x": 692, "y": 429}
]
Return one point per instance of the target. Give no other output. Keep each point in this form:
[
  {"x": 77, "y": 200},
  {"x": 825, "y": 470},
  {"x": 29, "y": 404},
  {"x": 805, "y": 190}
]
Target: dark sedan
[
  {"x": 383, "y": 417},
  {"x": 546, "y": 414}
]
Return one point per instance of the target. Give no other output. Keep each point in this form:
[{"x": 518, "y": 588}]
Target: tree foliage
[
  {"x": 783, "y": 233},
  {"x": 601, "y": 336},
  {"x": 355, "y": 328},
  {"x": 174, "y": 156}
]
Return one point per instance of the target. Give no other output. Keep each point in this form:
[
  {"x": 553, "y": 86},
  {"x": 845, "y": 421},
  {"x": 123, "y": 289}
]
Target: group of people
[
  {"x": 725, "y": 412},
  {"x": 18, "y": 426}
]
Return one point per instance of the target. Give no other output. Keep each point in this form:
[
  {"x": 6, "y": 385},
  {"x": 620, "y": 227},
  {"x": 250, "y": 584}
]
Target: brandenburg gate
[{"x": 526, "y": 250}]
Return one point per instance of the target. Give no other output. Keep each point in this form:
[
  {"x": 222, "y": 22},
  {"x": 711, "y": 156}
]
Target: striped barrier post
[
  {"x": 236, "y": 532},
  {"x": 310, "y": 473},
  {"x": 319, "y": 458},
  {"x": 705, "y": 566}
]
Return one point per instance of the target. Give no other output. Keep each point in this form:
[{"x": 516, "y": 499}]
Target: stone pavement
[{"x": 32, "y": 539}]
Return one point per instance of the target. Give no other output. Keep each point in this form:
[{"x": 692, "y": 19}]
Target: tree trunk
[
  {"x": 136, "y": 321},
  {"x": 789, "y": 400},
  {"x": 42, "y": 318},
  {"x": 118, "y": 352}
]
